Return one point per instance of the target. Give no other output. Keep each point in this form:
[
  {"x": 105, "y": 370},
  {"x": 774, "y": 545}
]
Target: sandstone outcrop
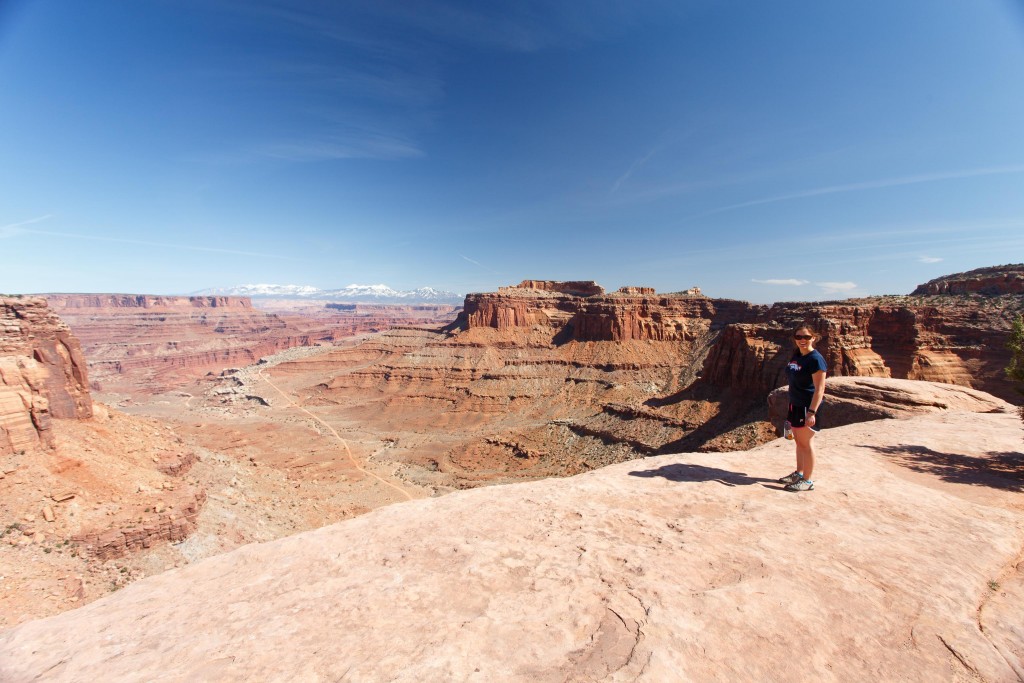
[
  {"x": 903, "y": 564},
  {"x": 991, "y": 281},
  {"x": 110, "y": 487},
  {"x": 636, "y": 291},
  {"x": 572, "y": 288},
  {"x": 631, "y": 313},
  {"x": 850, "y": 400},
  {"x": 42, "y": 374},
  {"x": 136, "y": 535}
]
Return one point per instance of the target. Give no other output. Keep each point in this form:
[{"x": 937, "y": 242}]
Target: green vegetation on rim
[{"x": 1015, "y": 370}]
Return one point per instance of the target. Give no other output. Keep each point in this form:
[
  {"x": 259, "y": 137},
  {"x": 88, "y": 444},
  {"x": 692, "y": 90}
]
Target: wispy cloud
[
  {"x": 362, "y": 80},
  {"x": 516, "y": 26},
  {"x": 12, "y": 229},
  {"x": 870, "y": 185},
  {"x": 793, "y": 282},
  {"x": 366, "y": 146},
  {"x": 632, "y": 169},
  {"x": 146, "y": 243},
  {"x": 836, "y": 287},
  {"x": 929, "y": 259},
  {"x": 478, "y": 264}
]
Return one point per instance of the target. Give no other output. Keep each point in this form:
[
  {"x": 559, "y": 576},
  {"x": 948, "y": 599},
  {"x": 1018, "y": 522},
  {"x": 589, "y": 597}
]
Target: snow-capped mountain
[
  {"x": 355, "y": 292},
  {"x": 278, "y": 291}
]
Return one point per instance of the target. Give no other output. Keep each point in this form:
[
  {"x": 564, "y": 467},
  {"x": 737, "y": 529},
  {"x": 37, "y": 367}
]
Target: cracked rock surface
[{"x": 902, "y": 564}]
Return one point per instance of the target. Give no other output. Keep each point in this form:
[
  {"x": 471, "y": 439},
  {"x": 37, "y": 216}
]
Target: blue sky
[{"x": 762, "y": 151}]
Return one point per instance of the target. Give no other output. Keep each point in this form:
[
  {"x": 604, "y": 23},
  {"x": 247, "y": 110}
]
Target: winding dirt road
[{"x": 344, "y": 444}]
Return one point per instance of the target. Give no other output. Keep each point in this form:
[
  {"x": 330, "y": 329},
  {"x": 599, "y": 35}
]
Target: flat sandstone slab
[{"x": 688, "y": 567}]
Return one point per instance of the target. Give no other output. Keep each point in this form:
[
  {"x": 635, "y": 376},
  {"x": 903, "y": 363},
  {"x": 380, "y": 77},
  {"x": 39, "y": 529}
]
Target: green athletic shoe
[
  {"x": 802, "y": 485},
  {"x": 791, "y": 478}
]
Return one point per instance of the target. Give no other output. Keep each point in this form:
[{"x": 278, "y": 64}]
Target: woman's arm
[
  {"x": 819, "y": 389},
  {"x": 819, "y": 396}
]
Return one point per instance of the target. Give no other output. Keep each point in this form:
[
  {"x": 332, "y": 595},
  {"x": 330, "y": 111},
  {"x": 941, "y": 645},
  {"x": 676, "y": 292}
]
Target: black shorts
[{"x": 798, "y": 414}]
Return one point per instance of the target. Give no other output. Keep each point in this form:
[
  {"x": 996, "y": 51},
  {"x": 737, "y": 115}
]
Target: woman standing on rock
[{"x": 806, "y": 371}]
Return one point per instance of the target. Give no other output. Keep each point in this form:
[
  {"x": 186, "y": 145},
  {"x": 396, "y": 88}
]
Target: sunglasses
[{"x": 803, "y": 336}]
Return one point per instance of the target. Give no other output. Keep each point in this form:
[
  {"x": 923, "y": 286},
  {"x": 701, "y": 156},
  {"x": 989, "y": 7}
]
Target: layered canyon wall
[
  {"x": 943, "y": 337},
  {"x": 636, "y": 313},
  {"x": 939, "y": 338},
  {"x": 145, "y": 343},
  {"x": 684, "y": 371},
  {"x": 140, "y": 342},
  {"x": 42, "y": 374},
  {"x": 72, "y": 301}
]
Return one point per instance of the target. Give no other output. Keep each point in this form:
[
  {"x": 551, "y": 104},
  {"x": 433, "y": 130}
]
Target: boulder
[{"x": 849, "y": 400}]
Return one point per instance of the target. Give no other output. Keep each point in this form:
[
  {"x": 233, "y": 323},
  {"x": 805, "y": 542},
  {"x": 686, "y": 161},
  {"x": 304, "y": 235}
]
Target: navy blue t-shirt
[{"x": 800, "y": 371}]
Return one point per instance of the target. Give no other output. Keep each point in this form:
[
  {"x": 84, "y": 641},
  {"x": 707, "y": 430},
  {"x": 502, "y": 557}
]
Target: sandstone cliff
[
  {"x": 42, "y": 374},
  {"x": 742, "y": 349},
  {"x": 67, "y": 301},
  {"x": 631, "y": 313},
  {"x": 952, "y": 339},
  {"x": 146, "y": 343},
  {"x": 139, "y": 342},
  {"x": 903, "y": 564},
  {"x": 957, "y": 339}
]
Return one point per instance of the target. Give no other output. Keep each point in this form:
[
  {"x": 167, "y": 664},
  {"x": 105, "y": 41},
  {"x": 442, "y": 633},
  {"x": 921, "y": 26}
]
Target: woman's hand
[{"x": 810, "y": 420}]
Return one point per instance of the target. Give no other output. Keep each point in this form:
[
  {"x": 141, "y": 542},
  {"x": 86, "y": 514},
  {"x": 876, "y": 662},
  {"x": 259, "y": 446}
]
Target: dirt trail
[{"x": 334, "y": 433}]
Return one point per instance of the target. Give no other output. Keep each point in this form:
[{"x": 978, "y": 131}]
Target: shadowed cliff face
[
  {"x": 951, "y": 339},
  {"x": 42, "y": 374}
]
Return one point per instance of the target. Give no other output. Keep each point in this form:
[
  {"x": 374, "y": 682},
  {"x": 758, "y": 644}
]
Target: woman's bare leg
[{"x": 804, "y": 450}]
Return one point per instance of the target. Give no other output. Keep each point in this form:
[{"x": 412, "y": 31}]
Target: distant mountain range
[{"x": 381, "y": 294}]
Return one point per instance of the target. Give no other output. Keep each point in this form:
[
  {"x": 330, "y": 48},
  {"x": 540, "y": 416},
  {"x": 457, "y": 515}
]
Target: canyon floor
[
  {"x": 905, "y": 563},
  {"x": 263, "y": 465}
]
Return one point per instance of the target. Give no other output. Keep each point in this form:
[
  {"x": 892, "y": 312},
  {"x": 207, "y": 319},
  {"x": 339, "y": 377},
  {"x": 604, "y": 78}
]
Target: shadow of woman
[{"x": 695, "y": 473}]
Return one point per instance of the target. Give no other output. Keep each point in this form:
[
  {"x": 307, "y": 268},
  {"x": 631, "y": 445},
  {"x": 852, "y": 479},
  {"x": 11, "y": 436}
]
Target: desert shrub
[{"x": 1015, "y": 370}]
